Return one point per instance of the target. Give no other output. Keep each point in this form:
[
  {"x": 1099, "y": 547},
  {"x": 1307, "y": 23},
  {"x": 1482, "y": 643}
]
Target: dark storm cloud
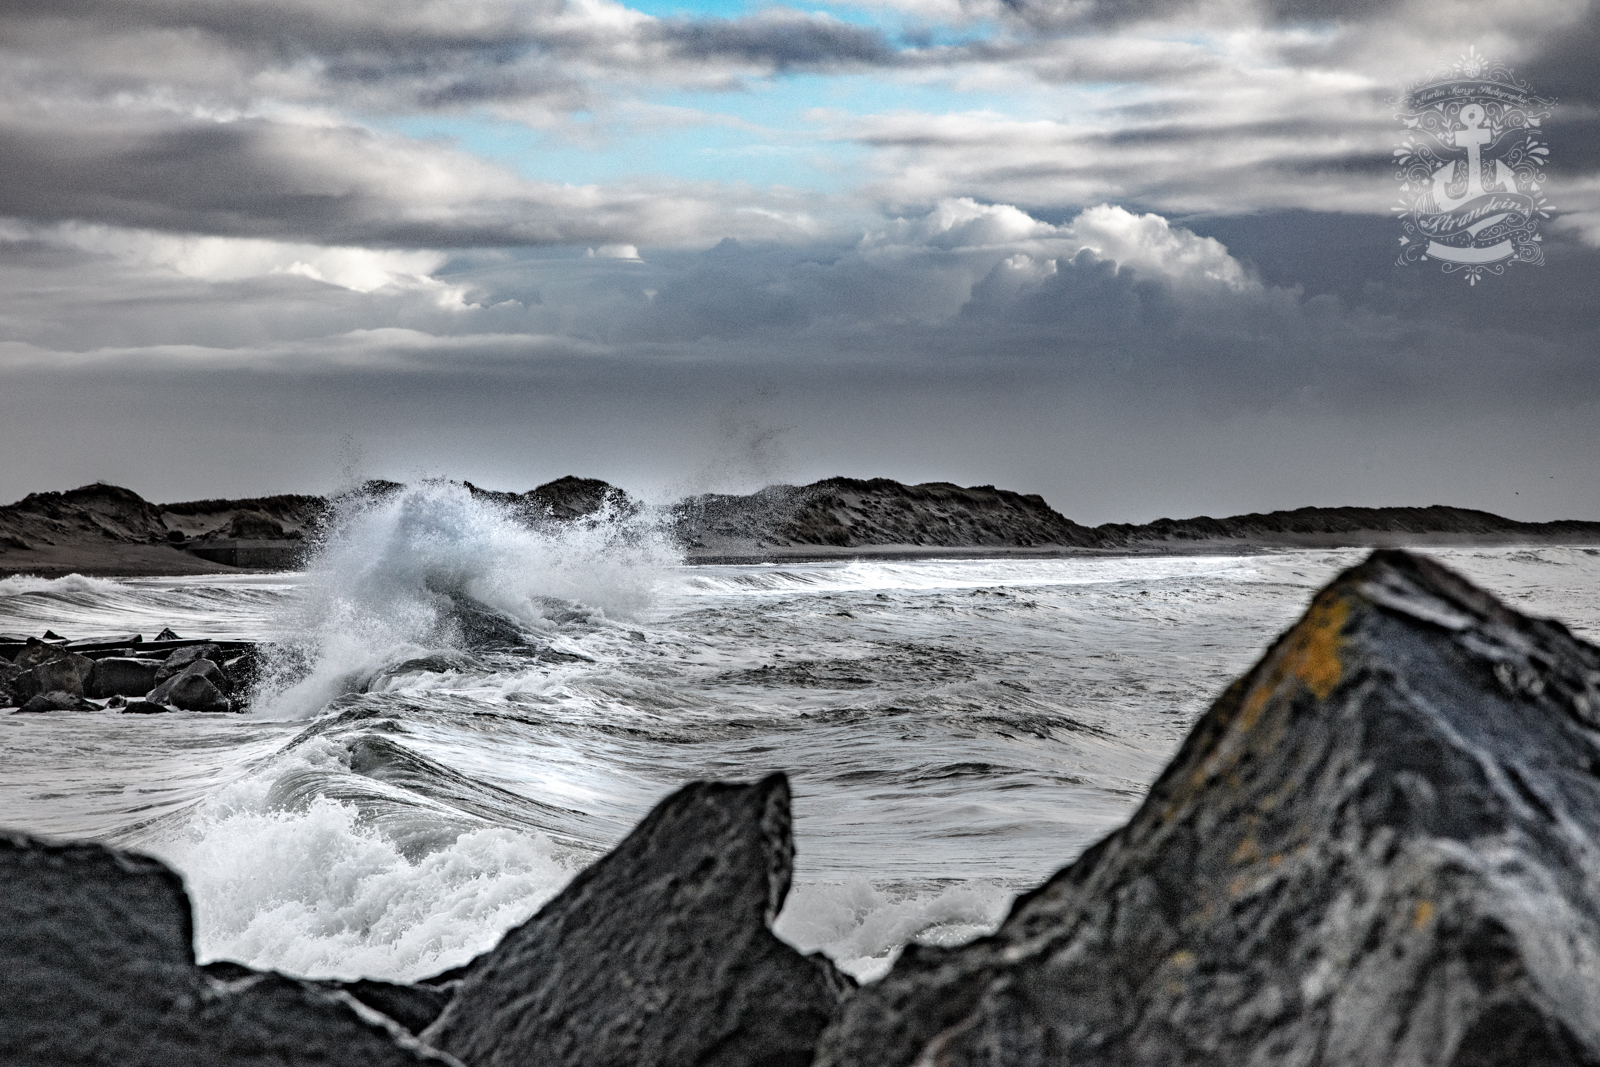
[
  {"x": 415, "y": 54},
  {"x": 782, "y": 41},
  {"x": 334, "y": 185}
]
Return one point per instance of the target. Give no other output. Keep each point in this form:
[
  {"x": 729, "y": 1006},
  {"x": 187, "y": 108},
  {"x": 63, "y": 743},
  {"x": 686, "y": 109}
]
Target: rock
[
  {"x": 38, "y": 652},
  {"x": 116, "y": 676},
  {"x": 97, "y": 968},
  {"x": 659, "y": 954},
  {"x": 193, "y": 689},
  {"x": 55, "y": 701},
  {"x": 166, "y": 634},
  {"x": 180, "y": 658},
  {"x": 1379, "y": 847},
  {"x": 49, "y": 668},
  {"x": 144, "y": 707},
  {"x": 412, "y": 1006},
  {"x": 9, "y": 673},
  {"x": 117, "y": 702}
]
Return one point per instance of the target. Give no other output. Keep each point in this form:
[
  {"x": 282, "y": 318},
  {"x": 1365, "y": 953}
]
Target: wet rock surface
[
  {"x": 661, "y": 953},
  {"x": 190, "y": 675},
  {"x": 1379, "y": 847},
  {"x": 124, "y": 676},
  {"x": 97, "y": 967}
]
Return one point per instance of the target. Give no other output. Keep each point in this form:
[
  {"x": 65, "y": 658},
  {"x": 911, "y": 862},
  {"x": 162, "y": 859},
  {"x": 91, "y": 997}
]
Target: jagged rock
[
  {"x": 659, "y": 955},
  {"x": 97, "y": 967},
  {"x": 166, "y": 634},
  {"x": 195, "y": 688},
  {"x": 412, "y": 1006},
  {"x": 118, "y": 676},
  {"x": 64, "y": 672},
  {"x": 144, "y": 707},
  {"x": 181, "y": 658},
  {"x": 37, "y": 652},
  {"x": 1380, "y": 847},
  {"x": 56, "y": 700}
]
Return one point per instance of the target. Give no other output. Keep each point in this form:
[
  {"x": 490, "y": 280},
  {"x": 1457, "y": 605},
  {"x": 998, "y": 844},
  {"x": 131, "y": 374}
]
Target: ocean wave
[
  {"x": 317, "y": 890},
  {"x": 433, "y": 568},
  {"x": 19, "y": 584}
]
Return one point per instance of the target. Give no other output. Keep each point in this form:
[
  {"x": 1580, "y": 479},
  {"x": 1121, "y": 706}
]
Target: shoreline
[{"x": 162, "y": 561}]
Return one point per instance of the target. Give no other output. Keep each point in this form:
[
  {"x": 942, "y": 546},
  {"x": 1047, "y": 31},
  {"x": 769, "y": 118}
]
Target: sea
[{"x": 459, "y": 712}]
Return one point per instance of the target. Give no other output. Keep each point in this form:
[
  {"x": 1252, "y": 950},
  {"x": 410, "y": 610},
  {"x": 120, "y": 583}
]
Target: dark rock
[
  {"x": 1378, "y": 847},
  {"x": 116, "y": 676},
  {"x": 97, "y": 967},
  {"x": 117, "y": 702},
  {"x": 9, "y": 673},
  {"x": 193, "y": 689},
  {"x": 90, "y": 644},
  {"x": 51, "y": 635},
  {"x": 56, "y": 700},
  {"x": 166, "y": 634},
  {"x": 37, "y": 652},
  {"x": 180, "y": 658},
  {"x": 659, "y": 954},
  {"x": 145, "y": 707},
  {"x": 412, "y": 1006},
  {"x": 66, "y": 672}
]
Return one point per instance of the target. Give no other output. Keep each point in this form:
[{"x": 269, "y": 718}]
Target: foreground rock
[
  {"x": 659, "y": 954},
  {"x": 97, "y": 967},
  {"x": 1380, "y": 847}
]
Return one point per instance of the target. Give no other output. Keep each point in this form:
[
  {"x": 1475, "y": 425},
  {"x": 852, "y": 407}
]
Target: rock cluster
[
  {"x": 1379, "y": 847},
  {"x": 660, "y": 954},
  {"x": 51, "y": 674}
]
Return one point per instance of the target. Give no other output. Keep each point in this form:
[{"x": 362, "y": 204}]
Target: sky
[{"x": 1138, "y": 256}]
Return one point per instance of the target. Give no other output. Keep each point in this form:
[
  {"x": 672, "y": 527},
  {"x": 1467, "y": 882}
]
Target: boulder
[
  {"x": 180, "y": 658},
  {"x": 1380, "y": 847},
  {"x": 55, "y": 701},
  {"x": 118, "y": 676},
  {"x": 144, "y": 707},
  {"x": 97, "y": 968},
  {"x": 659, "y": 954},
  {"x": 64, "y": 671},
  {"x": 166, "y": 634},
  {"x": 193, "y": 689},
  {"x": 37, "y": 652}
]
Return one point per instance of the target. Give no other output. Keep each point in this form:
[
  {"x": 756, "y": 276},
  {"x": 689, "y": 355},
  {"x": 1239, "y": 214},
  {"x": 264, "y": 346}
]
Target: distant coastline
[{"x": 104, "y": 530}]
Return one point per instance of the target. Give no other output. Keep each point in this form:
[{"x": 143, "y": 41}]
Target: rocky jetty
[
  {"x": 49, "y": 673},
  {"x": 660, "y": 954},
  {"x": 97, "y": 968},
  {"x": 1379, "y": 847}
]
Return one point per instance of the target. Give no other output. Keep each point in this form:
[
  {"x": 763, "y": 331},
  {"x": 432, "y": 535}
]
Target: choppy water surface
[{"x": 410, "y": 783}]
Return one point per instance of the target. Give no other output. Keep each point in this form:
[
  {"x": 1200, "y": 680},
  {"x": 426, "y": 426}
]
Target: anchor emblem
[{"x": 1472, "y": 136}]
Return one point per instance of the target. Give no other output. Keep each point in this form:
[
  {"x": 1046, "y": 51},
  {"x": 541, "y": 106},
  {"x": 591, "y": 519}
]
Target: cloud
[{"x": 339, "y": 185}]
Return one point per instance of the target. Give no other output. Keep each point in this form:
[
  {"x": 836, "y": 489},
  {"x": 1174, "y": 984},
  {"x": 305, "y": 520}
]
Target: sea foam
[
  {"x": 312, "y": 891},
  {"x": 391, "y": 577}
]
